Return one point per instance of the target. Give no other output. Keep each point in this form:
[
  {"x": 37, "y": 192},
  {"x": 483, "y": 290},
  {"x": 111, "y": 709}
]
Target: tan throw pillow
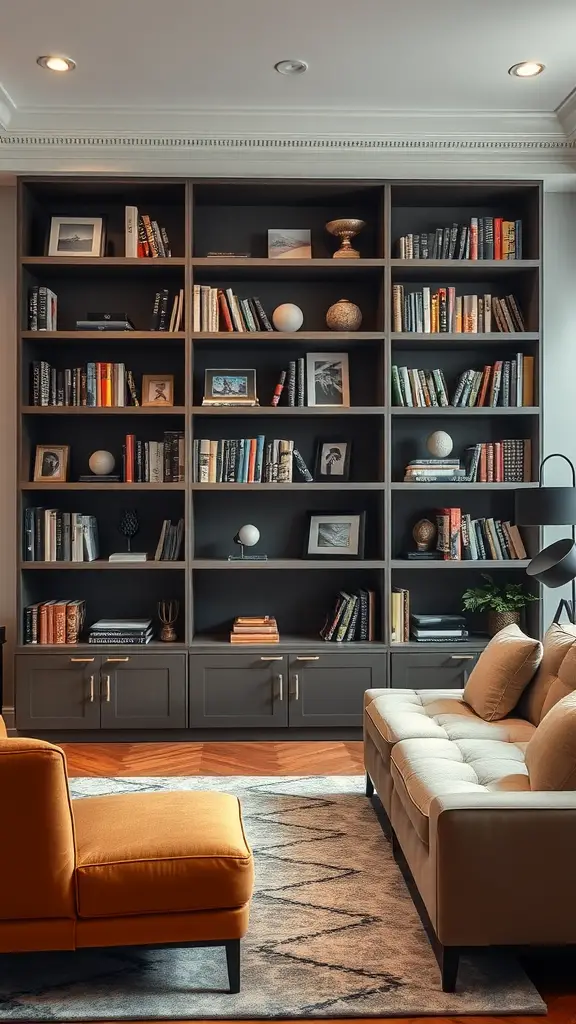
[
  {"x": 501, "y": 673},
  {"x": 551, "y": 752},
  {"x": 558, "y": 663}
]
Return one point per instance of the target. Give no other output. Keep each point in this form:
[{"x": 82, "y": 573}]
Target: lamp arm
[{"x": 557, "y": 455}]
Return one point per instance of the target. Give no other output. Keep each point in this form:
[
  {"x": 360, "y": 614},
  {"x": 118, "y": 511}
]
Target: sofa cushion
[
  {"x": 425, "y": 769},
  {"x": 556, "y": 675},
  {"x": 501, "y": 673},
  {"x": 158, "y": 853},
  {"x": 551, "y": 753}
]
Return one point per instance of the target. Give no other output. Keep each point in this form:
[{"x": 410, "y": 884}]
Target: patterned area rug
[{"x": 333, "y": 930}]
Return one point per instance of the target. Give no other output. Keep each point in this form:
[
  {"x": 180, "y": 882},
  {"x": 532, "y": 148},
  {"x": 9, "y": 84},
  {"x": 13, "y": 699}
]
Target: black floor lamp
[{"x": 555, "y": 565}]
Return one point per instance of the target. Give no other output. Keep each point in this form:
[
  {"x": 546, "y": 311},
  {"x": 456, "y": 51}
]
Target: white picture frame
[
  {"x": 335, "y": 535},
  {"x": 76, "y": 236},
  {"x": 328, "y": 379}
]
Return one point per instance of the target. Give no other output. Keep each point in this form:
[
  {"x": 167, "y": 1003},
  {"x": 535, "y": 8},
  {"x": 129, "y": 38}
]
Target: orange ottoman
[{"x": 163, "y": 868}]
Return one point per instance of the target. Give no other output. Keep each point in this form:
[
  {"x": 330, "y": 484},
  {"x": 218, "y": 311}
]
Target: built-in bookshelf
[{"x": 384, "y": 433}]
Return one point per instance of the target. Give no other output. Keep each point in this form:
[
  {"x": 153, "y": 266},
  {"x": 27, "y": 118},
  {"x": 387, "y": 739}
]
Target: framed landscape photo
[
  {"x": 289, "y": 244},
  {"x": 335, "y": 535},
  {"x": 333, "y": 460},
  {"x": 51, "y": 462},
  {"x": 76, "y": 236},
  {"x": 158, "y": 389},
  {"x": 327, "y": 379},
  {"x": 230, "y": 387}
]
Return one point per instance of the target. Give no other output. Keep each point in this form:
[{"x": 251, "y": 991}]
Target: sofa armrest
[{"x": 504, "y": 867}]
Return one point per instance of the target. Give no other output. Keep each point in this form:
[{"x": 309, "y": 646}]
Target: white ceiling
[{"x": 407, "y": 68}]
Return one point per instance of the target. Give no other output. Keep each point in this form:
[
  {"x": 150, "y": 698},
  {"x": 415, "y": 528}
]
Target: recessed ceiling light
[
  {"x": 52, "y": 63},
  {"x": 291, "y": 67},
  {"x": 526, "y": 69}
]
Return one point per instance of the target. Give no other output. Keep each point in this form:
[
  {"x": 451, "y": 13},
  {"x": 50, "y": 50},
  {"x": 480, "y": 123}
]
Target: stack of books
[
  {"x": 247, "y": 460},
  {"x": 154, "y": 461},
  {"x": 352, "y": 618},
  {"x": 94, "y": 384},
  {"x": 484, "y": 238},
  {"x": 101, "y": 321},
  {"x": 160, "y": 320},
  {"x": 461, "y": 537},
  {"x": 442, "y": 311},
  {"x": 399, "y": 615},
  {"x": 144, "y": 237},
  {"x": 54, "y": 622},
  {"x": 54, "y": 536},
  {"x": 437, "y": 629},
  {"x": 217, "y": 310},
  {"x": 255, "y": 629},
  {"x": 427, "y": 471},
  {"x": 121, "y": 631},
  {"x": 42, "y": 309}
]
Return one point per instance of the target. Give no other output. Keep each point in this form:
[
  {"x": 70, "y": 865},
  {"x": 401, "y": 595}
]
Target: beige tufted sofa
[{"x": 485, "y": 823}]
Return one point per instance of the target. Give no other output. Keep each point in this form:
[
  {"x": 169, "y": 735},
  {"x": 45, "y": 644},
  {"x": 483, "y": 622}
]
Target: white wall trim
[{"x": 7, "y": 108}]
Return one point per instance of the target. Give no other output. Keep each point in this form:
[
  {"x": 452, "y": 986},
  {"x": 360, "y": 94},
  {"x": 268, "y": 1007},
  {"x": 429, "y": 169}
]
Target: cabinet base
[{"x": 192, "y": 735}]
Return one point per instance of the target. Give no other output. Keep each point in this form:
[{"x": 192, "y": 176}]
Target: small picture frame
[
  {"x": 333, "y": 460},
  {"x": 76, "y": 236},
  {"x": 327, "y": 379},
  {"x": 335, "y": 535},
  {"x": 289, "y": 244},
  {"x": 51, "y": 463},
  {"x": 158, "y": 389},
  {"x": 230, "y": 387}
]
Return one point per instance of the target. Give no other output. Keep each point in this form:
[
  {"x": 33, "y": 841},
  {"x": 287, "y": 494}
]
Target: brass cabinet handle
[
  {"x": 281, "y": 686},
  {"x": 308, "y": 657},
  {"x": 296, "y": 686},
  {"x": 117, "y": 659},
  {"x": 462, "y": 657},
  {"x": 107, "y": 685},
  {"x": 91, "y": 689},
  {"x": 273, "y": 657},
  {"x": 83, "y": 661}
]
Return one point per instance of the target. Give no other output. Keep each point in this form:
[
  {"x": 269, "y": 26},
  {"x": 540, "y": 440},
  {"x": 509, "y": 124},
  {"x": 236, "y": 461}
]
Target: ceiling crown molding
[
  {"x": 7, "y": 109},
  {"x": 566, "y": 114}
]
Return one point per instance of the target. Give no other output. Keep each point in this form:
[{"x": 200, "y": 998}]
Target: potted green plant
[{"x": 503, "y": 604}]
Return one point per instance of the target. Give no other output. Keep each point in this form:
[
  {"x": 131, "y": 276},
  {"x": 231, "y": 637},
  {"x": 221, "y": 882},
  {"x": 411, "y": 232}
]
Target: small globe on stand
[{"x": 129, "y": 525}]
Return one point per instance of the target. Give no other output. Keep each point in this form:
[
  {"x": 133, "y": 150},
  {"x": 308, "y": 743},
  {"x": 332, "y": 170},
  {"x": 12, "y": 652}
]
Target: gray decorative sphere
[
  {"x": 440, "y": 444},
  {"x": 249, "y": 535},
  {"x": 288, "y": 317}
]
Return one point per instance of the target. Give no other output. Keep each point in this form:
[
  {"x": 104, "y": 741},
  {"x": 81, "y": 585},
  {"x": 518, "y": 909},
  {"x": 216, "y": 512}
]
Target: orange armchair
[{"x": 133, "y": 869}]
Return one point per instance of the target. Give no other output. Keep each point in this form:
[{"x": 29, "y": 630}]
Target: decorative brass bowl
[{"x": 345, "y": 229}]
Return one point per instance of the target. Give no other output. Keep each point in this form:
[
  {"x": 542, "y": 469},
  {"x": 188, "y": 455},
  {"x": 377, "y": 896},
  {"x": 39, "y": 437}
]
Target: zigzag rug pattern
[{"x": 333, "y": 930}]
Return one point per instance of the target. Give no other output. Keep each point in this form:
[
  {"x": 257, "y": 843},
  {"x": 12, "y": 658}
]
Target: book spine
[
  {"x": 278, "y": 389},
  {"x": 302, "y": 467},
  {"x": 292, "y": 383}
]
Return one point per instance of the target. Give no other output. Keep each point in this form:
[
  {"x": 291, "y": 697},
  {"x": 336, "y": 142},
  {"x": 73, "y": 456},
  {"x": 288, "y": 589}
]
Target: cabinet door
[
  {"x": 432, "y": 671},
  {"x": 143, "y": 691},
  {"x": 57, "y": 691},
  {"x": 328, "y": 689},
  {"x": 238, "y": 690}
]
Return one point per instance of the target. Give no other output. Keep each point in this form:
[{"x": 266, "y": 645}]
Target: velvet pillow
[
  {"x": 556, "y": 676},
  {"x": 501, "y": 673},
  {"x": 551, "y": 752}
]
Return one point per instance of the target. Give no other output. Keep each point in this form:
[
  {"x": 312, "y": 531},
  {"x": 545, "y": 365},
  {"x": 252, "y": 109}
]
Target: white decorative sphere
[
  {"x": 248, "y": 535},
  {"x": 287, "y": 317},
  {"x": 439, "y": 444},
  {"x": 101, "y": 462}
]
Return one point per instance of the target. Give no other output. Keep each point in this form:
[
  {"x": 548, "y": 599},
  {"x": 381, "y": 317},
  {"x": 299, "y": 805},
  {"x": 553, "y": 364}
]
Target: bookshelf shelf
[
  {"x": 101, "y": 565},
  {"x": 285, "y": 410},
  {"x": 467, "y": 564},
  {"x": 99, "y": 262},
  {"x": 78, "y": 485},
  {"x": 288, "y": 642},
  {"x": 308, "y": 337},
  {"x": 463, "y": 338},
  {"x": 290, "y": 563},
  {"x": 488, "y": 267},
  {"x": 406, "y": 486},
  {"x": 451, "y": 410},
  {"x": 113, "y": 410},
  {"x": 103, "y": 336},
  {"x": 314, "y": 486}
]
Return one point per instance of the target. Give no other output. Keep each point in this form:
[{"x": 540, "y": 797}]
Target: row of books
[
  {"x": 54, "y": 622},
  {"x": 94, "y": 385},
  {"x": 254, "y": 629},
  {"x": 160, "y": 320},
  {"x": 170, "y": 542},
  {"x": 484, "y": 238},
  {"x": 144, "y": 237},
  {"x": 462, "y": 538},
  {"x": 399, "y": 615},
  {"x": 293, "y": 383},
  {"x": 352, "y": 618},
  {"x": 246, "y": 460},
  {"x": 216, "y": 309},
  {"x": 508, "y": 461},
  {"x": 154, "y": 461},
  {"x": 506, "y": 383},
  {"x": 442, "y": 311},
  {"x": 54, "y": 536},
  {"x": 42, "y": 309},
  {"x": 121, "y": 631}
]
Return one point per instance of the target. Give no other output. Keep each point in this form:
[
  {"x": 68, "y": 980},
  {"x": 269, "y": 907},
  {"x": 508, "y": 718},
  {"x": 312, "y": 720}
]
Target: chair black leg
[
  {"x": 233, "y": 963},
  {"x": 448, "y": 961},
  {"x": 369, "y": 786}
]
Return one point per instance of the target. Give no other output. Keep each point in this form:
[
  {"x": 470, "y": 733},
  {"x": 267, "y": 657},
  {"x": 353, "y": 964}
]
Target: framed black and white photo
[
  {"x": 76, "y": 236},
  {"x": 51, "y": 462},
  {"x": 333, "y": 460},
  {"x": 328, "y": 381},
  {"x": 335, "y": 535},
  {"x": 230, "y": 387}
]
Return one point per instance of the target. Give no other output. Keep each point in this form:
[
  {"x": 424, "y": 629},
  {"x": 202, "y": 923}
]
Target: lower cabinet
[
  {"x": 328, "y": 689},
  {"x": 440, "y": 671},
  {"x": 119, "y": 691}
]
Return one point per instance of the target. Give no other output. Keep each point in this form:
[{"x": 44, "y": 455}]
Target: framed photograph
[
  {"x": 333, "y": 460},
  {"x": 289, "y": 244},
  {"x": 327, "y": 378},
  {"x": 335, "y": 535},
  {"x": 51, "y": 462},
  {"x": 157, "y": 389},
  {"x": 76, "y": 236},
  {"x": 230, "y": 387}
]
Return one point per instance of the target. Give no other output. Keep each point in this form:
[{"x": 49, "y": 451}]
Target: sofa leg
[
  {"x": 448, "y": 960},
  {"x": 233, "y": 963},
  {"x": 369, "y": 786}
]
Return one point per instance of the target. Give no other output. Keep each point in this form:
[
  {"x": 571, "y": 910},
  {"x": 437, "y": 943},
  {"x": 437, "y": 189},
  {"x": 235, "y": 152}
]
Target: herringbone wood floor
[{"x": 554, "y": 974}]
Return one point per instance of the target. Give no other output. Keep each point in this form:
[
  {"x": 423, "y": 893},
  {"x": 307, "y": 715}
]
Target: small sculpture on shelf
[
  {"x": 344, "y": 316},
  {"x": 129, "y": 525},
  {"x": 102, "y": 462},
  {"x": 424, "y": 534},
  {"x": 439, "y": 444},
  {"x": 168, "y": 612},
  {"x": 247, "y": 536},
  {"x": 345, "y": 228},
  {"x": 288, "y": 317}
]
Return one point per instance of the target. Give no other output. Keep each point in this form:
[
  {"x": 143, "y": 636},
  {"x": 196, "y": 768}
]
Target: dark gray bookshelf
[{"x": 201, "y": 674}]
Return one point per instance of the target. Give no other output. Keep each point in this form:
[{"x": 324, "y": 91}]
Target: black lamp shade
[
  {"x": 545, "y": 506},
  {"x": 555, "y": 566}
]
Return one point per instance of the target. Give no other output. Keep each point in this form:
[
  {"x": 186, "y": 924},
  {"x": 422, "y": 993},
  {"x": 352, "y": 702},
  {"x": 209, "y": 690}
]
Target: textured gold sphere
[{"x": 344, "y": 316}]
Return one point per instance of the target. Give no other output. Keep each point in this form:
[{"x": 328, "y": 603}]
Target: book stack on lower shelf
[
  {"x": 121, "y": 631},
  {"x": 353, "y": 618},
  {"x": 255, "y": 629},
  {"x": 425, "y": 471},
  {"x": 54, "y": 622},
  {"x": 438, "y": 629}
]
